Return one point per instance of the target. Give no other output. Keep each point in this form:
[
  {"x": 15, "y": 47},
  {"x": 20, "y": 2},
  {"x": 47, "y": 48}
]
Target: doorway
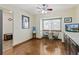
[{"x": 7, "y": 30}]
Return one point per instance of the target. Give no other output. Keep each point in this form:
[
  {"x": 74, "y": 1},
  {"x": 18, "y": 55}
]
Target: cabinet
[{"x": 8, "y": 37}]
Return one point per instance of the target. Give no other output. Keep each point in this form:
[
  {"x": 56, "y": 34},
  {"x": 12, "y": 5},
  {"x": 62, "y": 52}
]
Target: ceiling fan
[{"x": 44, "y": 8}]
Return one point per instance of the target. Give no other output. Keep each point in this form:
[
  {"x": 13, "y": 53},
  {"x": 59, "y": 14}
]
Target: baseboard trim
[
  {"x": 25, "y": 42},
  {"x": 37, "y": 38},
  {"x": 22, "y": 43}
]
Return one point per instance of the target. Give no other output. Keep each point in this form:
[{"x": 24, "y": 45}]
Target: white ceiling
[{"x": 32, "y": 8}]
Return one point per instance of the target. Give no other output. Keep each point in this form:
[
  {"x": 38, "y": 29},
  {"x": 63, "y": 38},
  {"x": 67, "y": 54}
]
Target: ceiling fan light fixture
[
  {"x": 43, "y": 12},
  {"x": 50, "y": 9},
  {"x": 44, "y": 8}
]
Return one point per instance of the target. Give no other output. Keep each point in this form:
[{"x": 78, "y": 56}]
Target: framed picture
[
  {"x": 25, "y": 22},
  {"x": 72, "y": 27},
  {"x": 67, "y": 19}
]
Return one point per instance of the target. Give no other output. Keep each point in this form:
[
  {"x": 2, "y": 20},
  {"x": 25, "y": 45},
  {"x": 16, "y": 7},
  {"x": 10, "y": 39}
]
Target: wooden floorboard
[{"x": 40, "y": 47}]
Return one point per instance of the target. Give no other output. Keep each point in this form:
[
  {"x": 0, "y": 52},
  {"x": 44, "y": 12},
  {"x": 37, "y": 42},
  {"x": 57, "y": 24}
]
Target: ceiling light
[
  {"x": 43, "y": 12},
  {"x": 44, "y": 8}
]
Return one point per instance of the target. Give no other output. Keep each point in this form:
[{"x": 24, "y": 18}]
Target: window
[
  {"x": 56, "y": 25},
  {"x": 47, "y": 25},
  {"x": 53, "y": 24}
]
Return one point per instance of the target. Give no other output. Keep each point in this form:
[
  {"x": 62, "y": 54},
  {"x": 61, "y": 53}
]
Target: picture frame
[
  {"x": 25, "y": 22},
  {"x": 67, "y": 19},
  {"x": 72, "y": 27}
]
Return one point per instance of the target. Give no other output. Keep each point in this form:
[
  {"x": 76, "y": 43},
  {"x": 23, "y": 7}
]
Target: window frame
[{"x": 52, "y": 19}]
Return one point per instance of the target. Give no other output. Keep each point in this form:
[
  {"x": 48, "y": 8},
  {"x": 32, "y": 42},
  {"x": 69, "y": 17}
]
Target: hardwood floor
[
  {"x": 7, "y": 44},
  {"x": 8, "y": 52},
  {"x": 40, "y": 47}
]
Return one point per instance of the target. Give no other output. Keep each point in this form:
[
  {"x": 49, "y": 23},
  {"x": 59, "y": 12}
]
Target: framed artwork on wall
[
  {"x": 25, "y": 22},
  {"x": 72, "y": 27},
  {"x": 67, "y": 19}
]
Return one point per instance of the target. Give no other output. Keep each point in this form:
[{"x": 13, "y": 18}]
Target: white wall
[
  {"x": 59, "y": 14},
  {"x": 75, "y": 35},
  {"x": 73, "y": 12},
  {"x": 7, "y": 25},
  {"x": 20, "y": 34}
]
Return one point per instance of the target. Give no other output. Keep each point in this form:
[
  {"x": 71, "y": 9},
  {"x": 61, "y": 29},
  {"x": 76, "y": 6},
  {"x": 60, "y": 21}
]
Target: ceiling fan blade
[{"x": 50, "y": 9}]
